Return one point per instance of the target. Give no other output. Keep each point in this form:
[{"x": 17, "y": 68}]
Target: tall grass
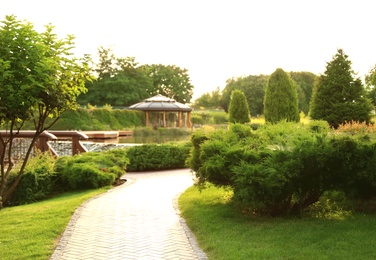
[{"x": 225, "y": 233}]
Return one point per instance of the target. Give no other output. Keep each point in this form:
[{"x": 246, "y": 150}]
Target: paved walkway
[{"x": 137, "y": 220}]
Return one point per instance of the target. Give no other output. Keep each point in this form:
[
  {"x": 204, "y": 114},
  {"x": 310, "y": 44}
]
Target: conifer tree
[
  {"x": 281, "y": 99},
  {"x": 238, "y": 109},
  {"x": 338, "y": 96}
]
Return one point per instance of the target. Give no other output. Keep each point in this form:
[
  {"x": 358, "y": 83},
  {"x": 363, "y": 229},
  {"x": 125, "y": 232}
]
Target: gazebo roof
[{"x": 160, "y": 103}]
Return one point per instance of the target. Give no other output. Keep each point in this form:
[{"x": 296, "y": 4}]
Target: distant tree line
[
  {"x": 337, "y": 96},
  {"x": 123, "y": 82}
]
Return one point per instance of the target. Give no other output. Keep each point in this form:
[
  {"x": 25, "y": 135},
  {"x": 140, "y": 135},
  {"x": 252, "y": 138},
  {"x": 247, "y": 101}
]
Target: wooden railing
[{"x": 43, "y": 144}]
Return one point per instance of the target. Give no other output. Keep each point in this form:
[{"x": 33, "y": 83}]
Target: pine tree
[
  {"x": 238, "y": 108},
  {"x": 281, "y": 99},
  {"x": 338, "y": 96}
]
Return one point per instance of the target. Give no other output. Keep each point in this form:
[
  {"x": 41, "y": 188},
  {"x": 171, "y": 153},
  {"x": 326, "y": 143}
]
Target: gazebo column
[
  {"x": 147, "y": 118},
  {"x": 189, "y": 123},
  {"x": 179, "y": 119},
  {"x": 164, "y": 119}
]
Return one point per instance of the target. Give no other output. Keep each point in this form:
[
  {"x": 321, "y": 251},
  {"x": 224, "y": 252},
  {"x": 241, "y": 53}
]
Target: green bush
[
  {"x": 37, "y": 183},
  {"x": 157, "y": 157},
  {"x": 284, "y": 168},
  {"x": 92, "y": 169}
]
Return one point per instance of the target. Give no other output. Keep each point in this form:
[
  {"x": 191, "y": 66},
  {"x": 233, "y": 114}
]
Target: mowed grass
[
  {"x": 33, "y": 231},
  {"x": 225, "y": 233}
]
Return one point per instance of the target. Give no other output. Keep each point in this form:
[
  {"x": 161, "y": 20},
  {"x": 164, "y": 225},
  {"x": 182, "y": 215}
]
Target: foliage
[
  {"x": 281, "y": 101},
  {"x": 338, "y": 96},
  {"x": 37, "y": 182},
  {"x": 170, "y": 81},
  {"x": 284, "y": 168},
  {"x": 253, "y": 88},
  {"x": 86, "y": 119},
  {"x": 157, "y": 157},
  {"x": 120, "y": 82},
  {"x": 355, "y": 128},
  {"x": 91, "y": 170},
  {"x": 209, "y": 100},
  {"x": 39, "y": 79},
  {"x": 238, "y": 110},
  {"x": 304, "y": 83},
  {"x": 371, "y": 85}
]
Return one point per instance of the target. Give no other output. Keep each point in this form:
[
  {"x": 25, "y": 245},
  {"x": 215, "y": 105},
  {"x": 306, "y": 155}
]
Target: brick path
[{"x": 137, "y": 220}]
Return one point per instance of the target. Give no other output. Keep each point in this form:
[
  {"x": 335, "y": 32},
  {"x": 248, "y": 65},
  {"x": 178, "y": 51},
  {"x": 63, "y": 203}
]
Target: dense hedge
[
  {"x": 45, "y": 176},
  {"x": 285, "y": 168},
  {"x": 158, "y": 157}
]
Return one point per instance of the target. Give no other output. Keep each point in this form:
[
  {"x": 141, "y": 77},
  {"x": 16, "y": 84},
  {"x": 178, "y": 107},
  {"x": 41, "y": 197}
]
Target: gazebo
[{"x": 161, "y": 111}]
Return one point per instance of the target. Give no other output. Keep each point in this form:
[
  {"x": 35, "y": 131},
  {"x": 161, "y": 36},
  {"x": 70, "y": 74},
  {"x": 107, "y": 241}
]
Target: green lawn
[
  {"x": 33, "y": 231},
  {"x": 224, "y": 233}
]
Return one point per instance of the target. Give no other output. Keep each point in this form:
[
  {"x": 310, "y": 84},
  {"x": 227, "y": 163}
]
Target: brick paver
[{"x": 137, "y": 220}]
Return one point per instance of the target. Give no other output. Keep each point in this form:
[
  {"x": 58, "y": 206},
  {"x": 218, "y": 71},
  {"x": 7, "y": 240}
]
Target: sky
[{"x": 214, "y": 40}]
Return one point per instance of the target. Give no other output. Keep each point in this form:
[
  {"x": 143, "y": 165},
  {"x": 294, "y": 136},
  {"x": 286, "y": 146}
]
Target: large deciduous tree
[
  {"x": 39, "y": 78},
  {"x": 238, "y": 110},
  {"x": 281, "y": 101},
  {"x": 338, "y": 96},
  {"x": 170, "y": 81},
  {"x": 120, "y": 82}
]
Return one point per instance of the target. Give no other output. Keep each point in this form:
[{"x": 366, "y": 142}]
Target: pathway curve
[{"x": 137, "y": 220}]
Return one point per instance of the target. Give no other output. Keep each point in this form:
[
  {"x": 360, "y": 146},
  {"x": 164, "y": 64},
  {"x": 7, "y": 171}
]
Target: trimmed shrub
[
  {"x": 284, "y": 168},
  {"x": 91, "y": 170},
  {"x": 157, "y": 157}
]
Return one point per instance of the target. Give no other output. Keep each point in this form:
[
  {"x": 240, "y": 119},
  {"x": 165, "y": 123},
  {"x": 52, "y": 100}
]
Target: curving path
[{"x": 137, "y": 220}]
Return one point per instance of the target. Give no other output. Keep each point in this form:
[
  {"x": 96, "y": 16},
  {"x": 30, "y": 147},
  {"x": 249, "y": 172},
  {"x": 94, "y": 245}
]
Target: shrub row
[
  {"x": 205, "y": 117},
  {"x": 158, "y": 157},
  {"x": 45, "y": 176},
  {"x": 284, "y": 168}
]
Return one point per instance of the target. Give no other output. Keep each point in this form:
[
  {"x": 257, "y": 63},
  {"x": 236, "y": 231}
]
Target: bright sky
[{"x": 214, "y": 39}]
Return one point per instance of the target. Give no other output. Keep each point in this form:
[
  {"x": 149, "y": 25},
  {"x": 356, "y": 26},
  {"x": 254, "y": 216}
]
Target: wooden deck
[{"x": 106, "y": 134}]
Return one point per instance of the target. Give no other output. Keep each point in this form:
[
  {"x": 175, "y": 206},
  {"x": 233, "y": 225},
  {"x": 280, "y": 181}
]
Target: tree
[
  {"x": 120, "y": 82},
  {"x": 253, "y": 88},
  {"x": 238, "y": 109},
  {"x": 371, "y": 86},
  {"x": 281, "y": 101},
  {"x": 39, "y": 78},
  {"x": 338, "y": 96},
  {"x": 170, "y": 81},
  {"x": 304, "y": 82},
  {"x": 209, "y": 100}
]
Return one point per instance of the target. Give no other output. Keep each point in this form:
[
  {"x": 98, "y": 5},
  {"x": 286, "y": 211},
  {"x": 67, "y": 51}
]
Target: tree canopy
[
  {"x": 170, "y": 81},
  {"x": 123, "y": 82},
  {"x": 209, "y": 99},
  {"x": 253, "y": 88},
  {"x": 120, "y": 82},
  {"x": 39, "y": 78},
  {"x": 281, "y": 101},
  {"x": 339, "y": 96}
]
